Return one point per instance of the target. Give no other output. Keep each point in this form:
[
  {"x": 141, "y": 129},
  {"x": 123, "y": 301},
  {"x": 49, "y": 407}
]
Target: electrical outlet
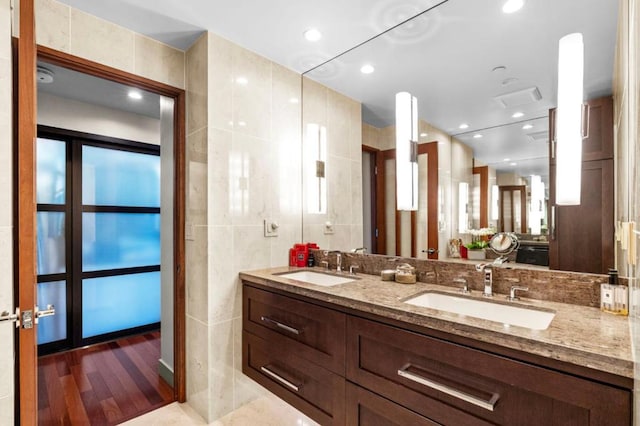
[
  {"x": 270, "y": 228},
  {"x": 328, "y": 228}
]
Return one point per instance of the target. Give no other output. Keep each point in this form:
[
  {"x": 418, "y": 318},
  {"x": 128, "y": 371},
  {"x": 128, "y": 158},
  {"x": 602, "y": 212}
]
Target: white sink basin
[
  {"x": 316, "y": 278},
  {"x": 507, "y": 314}
]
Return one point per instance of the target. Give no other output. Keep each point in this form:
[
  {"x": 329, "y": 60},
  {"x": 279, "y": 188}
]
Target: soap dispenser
[{"x": 614, "y": 298}]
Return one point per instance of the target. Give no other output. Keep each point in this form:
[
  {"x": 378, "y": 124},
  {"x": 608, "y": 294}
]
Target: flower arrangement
[{"x": 477, "y": 245}]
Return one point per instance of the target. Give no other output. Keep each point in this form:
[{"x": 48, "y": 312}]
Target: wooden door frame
[
  {"x": 28, "y": 51},
  {"x": 378, "y": 241},
  {"x": 483, "y": 172},
  {"x": 523, "y": 206},
  {"x": 431, "y": 149}
]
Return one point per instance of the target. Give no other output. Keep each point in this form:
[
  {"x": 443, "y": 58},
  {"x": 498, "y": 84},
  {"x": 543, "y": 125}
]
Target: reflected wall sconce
[
  {"x": 536, "y": 207},
  {"x": 315, "y": 165},
  {"x": 569, "y": 119},
  {"x": 495, "y": 202},
  {"x": 406, "y": 151},
  {"x": 463, "y": 207}
]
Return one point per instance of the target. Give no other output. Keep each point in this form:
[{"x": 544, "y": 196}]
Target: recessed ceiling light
[
  {"x": 513, "y": 164},
  {"x": 312, "y": 34},
  {"x": 464, "y": 126},
  {"x": 367, "y": 69},
  {"x": 511, "y": 6},
  {"x": 527, "y": 127},
  {"x": 135, "y": 94},
  {"x": 507, "y": 159},
  {"x": 242, "y": 81},
  {"x": 477, "y": 136},
  {"x": 518, "y": 114}
]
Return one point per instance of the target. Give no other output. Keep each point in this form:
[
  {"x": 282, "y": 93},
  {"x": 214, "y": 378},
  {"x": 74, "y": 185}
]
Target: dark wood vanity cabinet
[{"x": 356, "y": 371}]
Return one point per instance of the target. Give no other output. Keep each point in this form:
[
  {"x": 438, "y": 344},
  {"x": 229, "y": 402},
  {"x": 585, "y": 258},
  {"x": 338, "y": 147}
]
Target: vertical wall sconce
[
  {"x": 406, "y": 151},
  {"x": 536, "y": 207},
  {"x": 463, "y": 207},
  {"x": 495, "y": 202},
  {"x": 315, "y": 164},
  {"x": 569, "y": 120}
]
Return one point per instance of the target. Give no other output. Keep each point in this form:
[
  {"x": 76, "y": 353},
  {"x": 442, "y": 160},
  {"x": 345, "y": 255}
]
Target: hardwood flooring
[{"x": 104, "y": 384}]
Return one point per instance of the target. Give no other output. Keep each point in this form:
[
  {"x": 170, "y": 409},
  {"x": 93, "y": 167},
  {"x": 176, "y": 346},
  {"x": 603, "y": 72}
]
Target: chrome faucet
[
  {"x": 512, "y": 292},
  {"x": 338, "y": 259},
  {"x": 488, "y": 278}
]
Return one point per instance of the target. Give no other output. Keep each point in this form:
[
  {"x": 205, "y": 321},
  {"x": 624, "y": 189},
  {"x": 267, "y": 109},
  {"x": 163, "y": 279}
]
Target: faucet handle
[
  {"x": 325, "y": 264},
  {"x": 465, "y": 286},
  {"x": 512, "y": 292},
  {"x": 352, "y": 269}
]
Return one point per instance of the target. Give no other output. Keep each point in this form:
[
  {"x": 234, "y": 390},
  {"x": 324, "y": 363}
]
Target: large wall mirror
[{"x": 485, "y": 81}]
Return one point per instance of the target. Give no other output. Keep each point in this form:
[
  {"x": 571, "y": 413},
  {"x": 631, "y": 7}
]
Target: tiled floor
[{"x": 265, "y": 411}]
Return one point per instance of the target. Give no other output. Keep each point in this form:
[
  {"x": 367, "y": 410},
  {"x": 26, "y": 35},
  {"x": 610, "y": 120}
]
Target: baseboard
[{"x": 165, "y": 372}]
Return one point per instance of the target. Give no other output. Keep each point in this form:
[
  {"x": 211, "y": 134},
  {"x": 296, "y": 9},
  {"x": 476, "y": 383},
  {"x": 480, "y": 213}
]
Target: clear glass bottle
[{"x": 614, "y": 298}]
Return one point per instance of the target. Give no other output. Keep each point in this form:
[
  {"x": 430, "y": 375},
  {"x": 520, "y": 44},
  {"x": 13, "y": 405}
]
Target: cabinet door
[
  {"x": 456, "y": 385},
  {"x": 582, "y": 237},
  {"x": 315, "y": 333},
  {"x": 317, "y": 392},
  {"x": 365, "y": 408}
]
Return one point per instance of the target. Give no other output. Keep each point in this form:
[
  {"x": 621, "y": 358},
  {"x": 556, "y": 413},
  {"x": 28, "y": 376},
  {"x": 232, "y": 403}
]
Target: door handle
[
  {"x": 430, "y": 251},
  {"x": 49, "y": 311},
  {"x": 7, "y": 316}
]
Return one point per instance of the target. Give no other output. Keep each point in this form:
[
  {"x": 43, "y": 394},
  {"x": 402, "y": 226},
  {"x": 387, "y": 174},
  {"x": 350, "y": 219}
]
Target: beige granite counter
[{"x": 579, "y": 335}]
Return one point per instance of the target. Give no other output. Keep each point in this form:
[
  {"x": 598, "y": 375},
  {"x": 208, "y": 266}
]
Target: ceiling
[{"x": 444, "y": 57}]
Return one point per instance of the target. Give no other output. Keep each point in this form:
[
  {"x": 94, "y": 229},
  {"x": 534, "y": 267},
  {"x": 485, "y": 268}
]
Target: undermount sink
[
  {"x": 534, "y": 319},
  {"x": 317, "y": 278}
]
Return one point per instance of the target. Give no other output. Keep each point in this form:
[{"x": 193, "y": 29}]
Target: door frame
[
  {"x": 431, "y": 149},
  {"x": 25, "y": 272}
]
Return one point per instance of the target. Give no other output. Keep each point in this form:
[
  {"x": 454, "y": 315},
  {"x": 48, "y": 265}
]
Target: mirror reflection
[{"x": 485, "y": 82}]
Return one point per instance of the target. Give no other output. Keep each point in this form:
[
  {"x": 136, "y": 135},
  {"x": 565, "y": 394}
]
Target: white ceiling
[{"x": 444, "y": 57}]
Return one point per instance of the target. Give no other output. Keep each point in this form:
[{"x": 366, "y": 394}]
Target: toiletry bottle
[
  {"x": 310, "y": 260},
  {"x": 607, "y": 295},
  {"x": 620, "y": 294}
]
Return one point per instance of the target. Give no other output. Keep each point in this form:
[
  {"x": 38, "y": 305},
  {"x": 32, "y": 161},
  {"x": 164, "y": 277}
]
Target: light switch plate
[
  {"x": 188, "y": 232},
  {"x": 328, "y": 228},
  {"x": 270, "y": 228}
]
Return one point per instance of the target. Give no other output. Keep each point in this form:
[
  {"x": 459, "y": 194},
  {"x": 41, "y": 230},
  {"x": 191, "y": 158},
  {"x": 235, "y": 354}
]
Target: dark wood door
[{"x": 582, "y": 237}]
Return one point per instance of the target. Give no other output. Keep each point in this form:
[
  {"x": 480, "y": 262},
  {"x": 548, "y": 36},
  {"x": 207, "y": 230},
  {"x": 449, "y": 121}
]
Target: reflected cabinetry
[{"x": 340, "y": 368}]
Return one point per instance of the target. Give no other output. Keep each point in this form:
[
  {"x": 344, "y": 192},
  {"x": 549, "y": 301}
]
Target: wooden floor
[{"x": 103, "y": 384}]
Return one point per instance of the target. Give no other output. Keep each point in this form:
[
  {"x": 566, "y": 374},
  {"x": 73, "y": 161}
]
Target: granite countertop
[{"x": 578, "y": 335}]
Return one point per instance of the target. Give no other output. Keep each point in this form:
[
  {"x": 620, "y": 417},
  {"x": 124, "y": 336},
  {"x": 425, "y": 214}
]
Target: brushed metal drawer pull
[
  {"x": 487, "y": 405},
  {"x": 281, "y": 325},
  {"x": 279, "y": 378}
]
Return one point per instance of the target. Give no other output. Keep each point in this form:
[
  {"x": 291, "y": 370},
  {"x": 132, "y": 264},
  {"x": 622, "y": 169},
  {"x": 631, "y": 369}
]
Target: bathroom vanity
[{"x": 356, "y": 353}]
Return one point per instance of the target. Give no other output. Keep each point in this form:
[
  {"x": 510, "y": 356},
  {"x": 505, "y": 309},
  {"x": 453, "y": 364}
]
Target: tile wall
[
  {"x": 342, "y": 117},
  {"x": 243, "y": 167},
  {"x": 6, "y": 219}
]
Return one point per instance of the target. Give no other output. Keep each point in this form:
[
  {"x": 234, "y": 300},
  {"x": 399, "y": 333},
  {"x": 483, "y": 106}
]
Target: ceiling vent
[
  {"x": 542, "y": 136},
  {"x": 518, "y": 98},
  {"x": 44, "y": 75}
]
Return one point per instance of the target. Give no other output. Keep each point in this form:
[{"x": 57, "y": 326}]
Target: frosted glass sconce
[
  {"x": 569, "y": 120},
  {"x": 406, "y": 151},
  {"x": 315, "y": 164},
  {"x": 536, "y": 208},
  {"x": 463, "y": 205},
  {"x": 495, "y": 202}
]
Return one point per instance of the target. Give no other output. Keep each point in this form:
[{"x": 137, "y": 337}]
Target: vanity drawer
[
  {"x": 365, "y": 408},
  {"x": 456, "y": 385},
  {"x": 313, "y": 332},
  {"x": 315, "y": 391}
]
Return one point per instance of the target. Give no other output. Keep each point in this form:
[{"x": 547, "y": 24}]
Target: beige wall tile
[
  {"x": 6, "y": 410},
  {"x": 158, "y": 61},
  {"x": 197, "y": 365},
  {"x": 223, "y": 292},
  {"x": 250, "y": 168},
  {"x": 52, "y": 24},
  {"x": 221, "y": 369},
  {"x": 196, "y": 85},
  {"x": 197, "y": 275},
  {"x": 355, "y": 130},
  {"x": 356, "y": 192},
  {"x": 338, "y": 125},
  {"x": 244, "y": 388},
  {"x": 197, "y": 178},
  {"x": 5, "y": 29},
  {"x": 251, "y": 94},
  {"x": 221, "y": 83},
  {"x": 314, "y": 96},
  {"x": 101, "y": 41},
  {"x": 339, "y": 195},
  {"x": 251, "y": 250},
  {"x": 6, "y": 302},
  {"x": 220, "y": 145}
]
